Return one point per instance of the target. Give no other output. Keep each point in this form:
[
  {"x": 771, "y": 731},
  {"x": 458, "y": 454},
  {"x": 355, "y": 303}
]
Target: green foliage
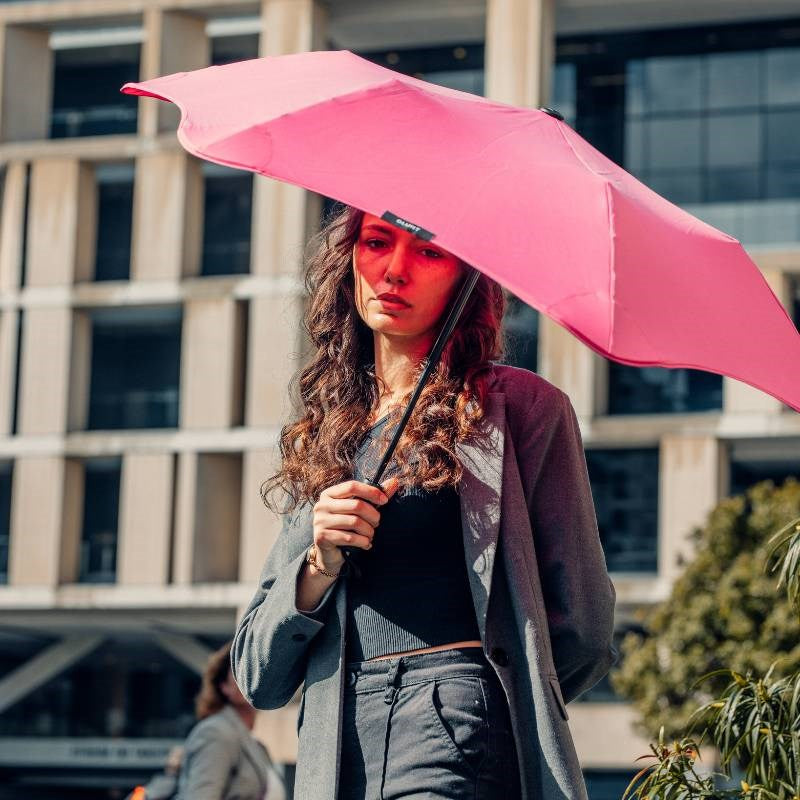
[{"x": 723, "y": 614}]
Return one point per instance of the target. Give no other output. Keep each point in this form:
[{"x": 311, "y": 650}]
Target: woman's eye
[
  {"x": 370, "y": 241},
  {"x": 436, "y": 253}
]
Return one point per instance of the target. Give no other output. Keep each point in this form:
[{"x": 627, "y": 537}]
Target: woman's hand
[{"x": 345, "y": 515}]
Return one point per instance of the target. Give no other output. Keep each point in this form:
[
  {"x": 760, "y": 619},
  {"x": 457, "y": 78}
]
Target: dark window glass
[
  {"x": 659, "y": 390},
  {"x": 114, "y": 221},
  {"x": 795, "y": 302},
  {"x": 135, "y": 376},
  {"x": 746, "y": 472},
  {"x": 625, "y": 492},
  {"x": 607, "y": 784},
  {"x": 98, "y": 557},
  {"x": 521, "y": 325},
  {"x": 17, "y": 369},
  {"x": 86, "y": 96},
  {"x": 700, "y": 115},
  {"x": 6, "y": 470},
  {"x": 240, "y": 47},
  {"x": 227, "y": 220}
]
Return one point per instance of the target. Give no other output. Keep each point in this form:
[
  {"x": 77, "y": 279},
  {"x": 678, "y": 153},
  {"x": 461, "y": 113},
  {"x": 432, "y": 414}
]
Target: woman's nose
[{"x": 398, "y": 263}]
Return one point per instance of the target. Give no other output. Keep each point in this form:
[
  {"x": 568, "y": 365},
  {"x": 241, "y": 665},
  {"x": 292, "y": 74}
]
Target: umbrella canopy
[{"x": 515, "y": 192}]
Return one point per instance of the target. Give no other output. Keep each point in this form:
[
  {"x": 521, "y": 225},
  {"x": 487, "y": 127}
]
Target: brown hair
[
  {"x": 338, "y": 388},
  {"x": 210, "y": 698}
]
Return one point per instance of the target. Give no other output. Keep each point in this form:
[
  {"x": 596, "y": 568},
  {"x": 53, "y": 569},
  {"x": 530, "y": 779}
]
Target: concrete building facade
[{"x": 149, "y": 324}]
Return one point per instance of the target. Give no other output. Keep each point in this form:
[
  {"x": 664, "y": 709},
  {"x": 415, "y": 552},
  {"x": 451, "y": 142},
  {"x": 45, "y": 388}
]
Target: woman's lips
[{"x": 394, "y": 305}]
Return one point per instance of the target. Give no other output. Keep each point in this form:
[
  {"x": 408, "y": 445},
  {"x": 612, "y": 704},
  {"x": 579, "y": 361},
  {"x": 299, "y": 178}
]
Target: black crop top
[{"x": 413, "y": 591}]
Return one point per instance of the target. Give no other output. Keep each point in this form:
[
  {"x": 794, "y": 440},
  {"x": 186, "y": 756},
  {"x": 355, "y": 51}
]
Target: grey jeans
[{"x": 430, "y": 725}]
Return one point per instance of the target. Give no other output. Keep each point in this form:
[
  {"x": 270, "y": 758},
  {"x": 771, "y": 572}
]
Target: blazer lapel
[{"x": 480, "y": 497}]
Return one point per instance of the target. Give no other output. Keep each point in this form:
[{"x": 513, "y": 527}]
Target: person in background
[
  {"x": 222, "y": 760},
  {"x": 164, "y": 785}
]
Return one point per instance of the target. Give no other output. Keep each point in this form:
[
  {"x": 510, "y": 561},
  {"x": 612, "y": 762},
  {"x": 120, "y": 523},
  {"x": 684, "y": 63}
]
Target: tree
[{"x": 723, "y": 613}]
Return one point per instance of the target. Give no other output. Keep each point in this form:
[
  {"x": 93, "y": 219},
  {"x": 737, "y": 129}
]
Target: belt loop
[{"x": 391, "y": 676}]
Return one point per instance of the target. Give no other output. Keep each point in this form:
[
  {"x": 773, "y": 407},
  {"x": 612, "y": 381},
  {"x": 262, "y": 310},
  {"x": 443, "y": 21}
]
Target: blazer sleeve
[
  {"x": 578, "y": 593},
  {"x": 271, "y": 644}
]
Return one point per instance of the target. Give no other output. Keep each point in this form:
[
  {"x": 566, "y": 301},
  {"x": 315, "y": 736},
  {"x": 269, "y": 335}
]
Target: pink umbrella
[{"x": 515, "y": 192}]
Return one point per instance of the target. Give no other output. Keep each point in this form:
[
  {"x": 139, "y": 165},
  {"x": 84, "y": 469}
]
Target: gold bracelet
[{"x": 311, "y": 559}]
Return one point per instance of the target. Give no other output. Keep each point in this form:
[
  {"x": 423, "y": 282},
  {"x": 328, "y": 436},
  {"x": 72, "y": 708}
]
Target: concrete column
[
  {"x": 691, "y": 472},
  {"x": 282, "y": 212},
  {"x": 44, "y": 373},
  {"x": 9, "y": 321},
  {"x": 80, "y": 372},
  {"x": 212, "y": 363},
  {"x": 183, "y": 541},
  {"x": 164, "y": 241},
  {"x": 46, "y": 515},
  {"x": 12, "y": 222},
  {"x": 741, "y": 398},
  {"x": 145, "y": 518},
  {"x": 275, "y": 342},
  {"x": 26, "y": 64},
  {"x": 260, "y": 527},
  {"x": 217, "y": 517},
  {"x": 520, "y": 54},
  {"x": 174, "y": 41},
  {"x": 61, "y": 222}
]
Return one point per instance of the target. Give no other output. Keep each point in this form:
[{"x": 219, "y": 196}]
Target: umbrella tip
[{"x": 551, "y": 111}]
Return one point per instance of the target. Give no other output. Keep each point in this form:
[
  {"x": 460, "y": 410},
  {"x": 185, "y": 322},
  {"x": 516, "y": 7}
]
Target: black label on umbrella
[{"x": 407, "y": 226}]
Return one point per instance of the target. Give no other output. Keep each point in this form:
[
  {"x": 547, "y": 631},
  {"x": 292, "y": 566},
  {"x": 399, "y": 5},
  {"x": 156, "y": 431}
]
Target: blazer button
[
  {"x": 299, "y": 637},
  {"x": 499, "y": 656}
]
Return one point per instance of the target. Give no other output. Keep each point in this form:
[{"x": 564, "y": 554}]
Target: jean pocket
[
  {"x": 459, "y": 712},
  {"x": 556, "y": 687}
]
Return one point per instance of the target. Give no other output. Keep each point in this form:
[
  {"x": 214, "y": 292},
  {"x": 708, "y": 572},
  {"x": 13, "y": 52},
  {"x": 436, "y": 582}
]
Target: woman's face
[{"x": 387, "y": 259}]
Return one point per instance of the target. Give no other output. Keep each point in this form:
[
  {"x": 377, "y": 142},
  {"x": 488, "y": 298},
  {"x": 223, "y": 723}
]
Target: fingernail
[{"x": 384, "y": 499}]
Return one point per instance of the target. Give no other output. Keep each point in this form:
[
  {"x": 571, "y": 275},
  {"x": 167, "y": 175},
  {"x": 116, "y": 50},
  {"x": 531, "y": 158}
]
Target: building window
[
  {"x": 227, "y": 219},
  {"x": 658, "y": 390},
  {"x": 98, "y": 555},
  {"x": 237, "y": 47},
  {"x": 705, "y": 116},
  {"x": 521, "y": 326},
  {"x": 753, "y": 460},
  {"x": 607, "y": 784},
  {"x": 114, "y": 221},
  {"x": 6, "y": 470},
  {"x": 456, "y": 66},
  {"x": 135, "y": 372},
  {"x": 624, "y": 485},
  {"x": 86, "y": 96}
]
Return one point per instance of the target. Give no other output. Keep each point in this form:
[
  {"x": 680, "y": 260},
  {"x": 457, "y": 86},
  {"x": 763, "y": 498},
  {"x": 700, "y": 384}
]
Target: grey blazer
[
  {"x": 531, "y": 546},
  {"x": 223, "y": 761}
]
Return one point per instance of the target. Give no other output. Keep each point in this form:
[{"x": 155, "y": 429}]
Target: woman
[
  {"x": 221, "y": 759},
  {"x": 414, "y": 683}
]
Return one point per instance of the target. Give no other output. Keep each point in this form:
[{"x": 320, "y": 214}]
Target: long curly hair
[
  {"x": 338, "y": 388},
  {"x": 210, "y": 698}
]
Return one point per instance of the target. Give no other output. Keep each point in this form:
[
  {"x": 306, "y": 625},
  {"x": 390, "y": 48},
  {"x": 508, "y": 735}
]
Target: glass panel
[
  {"x": 135, "y": 376},
  {"x": 678, "y": 186},
  {"x": 6, "y": 470},
  {"x": 98, "y": 558},
  {"x": 674, "y": 142},
  {"x": 659, "y": 390},
  {"x": 634, "y": 146},
  {"x": 673, "y": 83},
  {"x": 521, "y": 326},
  {"x": 733, "y": 79},
  {"x": 227, "y": 49},
  {"x": 634, "y": 87},
  {"x": 465, "y": 80},
  {"x": 227, "y": 220},
  {"x": 783, "y": 75},
  {"x": 114, "y": 221},
  {"x": 625, "y": 490},
  {"x": 733, "y": 140},
  {"x": 795, "y": 302},
  {"x": 607, "y": 784},
  {"x": 562, "y": 92},
  {"x": 733, "y": 184},
  {"x": 86, "y": 96},
  {"x": 783, "y": 141},
  {"x": 745, "y": 473},
  {"x": 784, "y": 182}
]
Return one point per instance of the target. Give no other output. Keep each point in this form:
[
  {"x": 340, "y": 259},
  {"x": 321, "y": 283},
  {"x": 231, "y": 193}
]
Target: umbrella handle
[{"x": 350, "y": 552}]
